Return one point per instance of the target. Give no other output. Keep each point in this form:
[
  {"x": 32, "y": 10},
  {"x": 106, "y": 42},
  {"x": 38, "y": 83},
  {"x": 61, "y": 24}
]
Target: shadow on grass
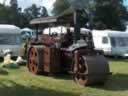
[
  {"x": 11, "y": 88},
  {"x": 63, "y": 76},
  {"x": 3, "y": 72},
  {"x": 116, "y": 82}
]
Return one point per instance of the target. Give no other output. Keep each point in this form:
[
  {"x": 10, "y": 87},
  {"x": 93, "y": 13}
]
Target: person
[{"x": 68, "y": 39}]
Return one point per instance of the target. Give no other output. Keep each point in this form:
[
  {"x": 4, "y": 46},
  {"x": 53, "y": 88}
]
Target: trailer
[
  {"x": 113, "y": 43},
  {"x": 66, "y": 52},
  {"x": 10, "y": 38}
]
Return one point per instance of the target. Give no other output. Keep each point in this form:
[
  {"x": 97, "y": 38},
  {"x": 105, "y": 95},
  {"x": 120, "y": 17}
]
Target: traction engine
[{"x": 70, "y": 52}]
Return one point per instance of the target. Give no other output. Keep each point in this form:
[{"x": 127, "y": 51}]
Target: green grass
[{"x": 19, "y": 82}]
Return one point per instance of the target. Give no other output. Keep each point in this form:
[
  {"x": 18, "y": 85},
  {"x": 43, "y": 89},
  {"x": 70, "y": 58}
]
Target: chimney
[{"x": 76, "y": 17}]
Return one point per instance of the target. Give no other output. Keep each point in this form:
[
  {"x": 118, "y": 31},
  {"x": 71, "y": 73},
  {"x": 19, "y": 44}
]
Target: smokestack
[{"x": 76, "y": 17}]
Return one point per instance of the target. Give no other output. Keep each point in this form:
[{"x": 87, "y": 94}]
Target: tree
[
  {"x": 4, "y": 11},
  {"x": 111, "y": 14},
  {"x": 9, "y": 15},
  {"x": 4, "y": 2},
  {"x": 35, "y": 12},
  {"x": 60, "y": 6},
  {"x": 15, "y": 13},
  {"x": 14, "y": 4},
  {"x": 32, "y": 12},
  {"x": 44, "y": 12}
]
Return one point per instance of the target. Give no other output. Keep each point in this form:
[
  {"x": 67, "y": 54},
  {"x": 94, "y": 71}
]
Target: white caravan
[
  {"x": 10, "y": 38},
  {"x": 113, "y": 43}
]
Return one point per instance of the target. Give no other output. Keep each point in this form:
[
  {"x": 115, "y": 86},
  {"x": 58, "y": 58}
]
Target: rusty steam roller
[{"x": 66, "y": 49}]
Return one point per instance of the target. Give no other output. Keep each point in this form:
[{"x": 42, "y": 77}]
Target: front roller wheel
[
  {"x": 91, "y": 70},
  {"x": 35, "y": 62}
]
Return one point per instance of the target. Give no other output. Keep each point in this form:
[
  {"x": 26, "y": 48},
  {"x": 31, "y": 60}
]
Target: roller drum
[{"x": 92, "y": 70}]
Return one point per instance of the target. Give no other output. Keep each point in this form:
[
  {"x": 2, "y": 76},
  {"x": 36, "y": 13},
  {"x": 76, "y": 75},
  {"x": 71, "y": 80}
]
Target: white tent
[
  {"x": 26, "y": 29},
  {"x": 28, "y": 33}
]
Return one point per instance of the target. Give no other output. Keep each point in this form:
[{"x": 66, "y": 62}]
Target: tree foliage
[
  {"x": 102, "y": 14},
  {"x": 32, "y": 12},
  {"x": 14, "y": 4},
  {"x": 60, "y": 6},
  {"x": 111, "y": 13},
  {"x": 44, "y": 12},
  {"x": 14, "y": 15}
]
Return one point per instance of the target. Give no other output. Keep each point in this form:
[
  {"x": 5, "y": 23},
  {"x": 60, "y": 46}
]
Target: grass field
[{"x": 19, "y": 82}]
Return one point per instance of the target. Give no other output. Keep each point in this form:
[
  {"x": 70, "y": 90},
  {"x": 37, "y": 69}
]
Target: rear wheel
[{"x": 35, "y": 60}]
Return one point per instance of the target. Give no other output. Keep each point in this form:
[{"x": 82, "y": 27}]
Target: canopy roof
[
  {"x": 64, "y": 19},
  {"x": 55, "y": 20}
]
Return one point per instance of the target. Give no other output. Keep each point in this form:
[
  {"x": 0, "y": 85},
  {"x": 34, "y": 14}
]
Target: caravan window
[
  {"x": 105, "y": 40},
  {"x": 122, "y": 41},
  {"x": 119, "y": 41},
  {"x": 10, "y": 39}
]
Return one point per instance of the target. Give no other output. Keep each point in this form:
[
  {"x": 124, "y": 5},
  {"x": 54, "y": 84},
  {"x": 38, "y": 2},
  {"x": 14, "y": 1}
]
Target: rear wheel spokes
[{"x": 33, "y": 60}]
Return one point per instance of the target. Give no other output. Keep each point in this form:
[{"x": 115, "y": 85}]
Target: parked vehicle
[
  {"x": 113, "y": 43},
  {"x": 10, "y": 38},
  {"x": 66, "y": 53}
]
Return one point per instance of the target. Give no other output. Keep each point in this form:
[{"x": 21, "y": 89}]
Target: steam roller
[{"x": 69, "y": 50}]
